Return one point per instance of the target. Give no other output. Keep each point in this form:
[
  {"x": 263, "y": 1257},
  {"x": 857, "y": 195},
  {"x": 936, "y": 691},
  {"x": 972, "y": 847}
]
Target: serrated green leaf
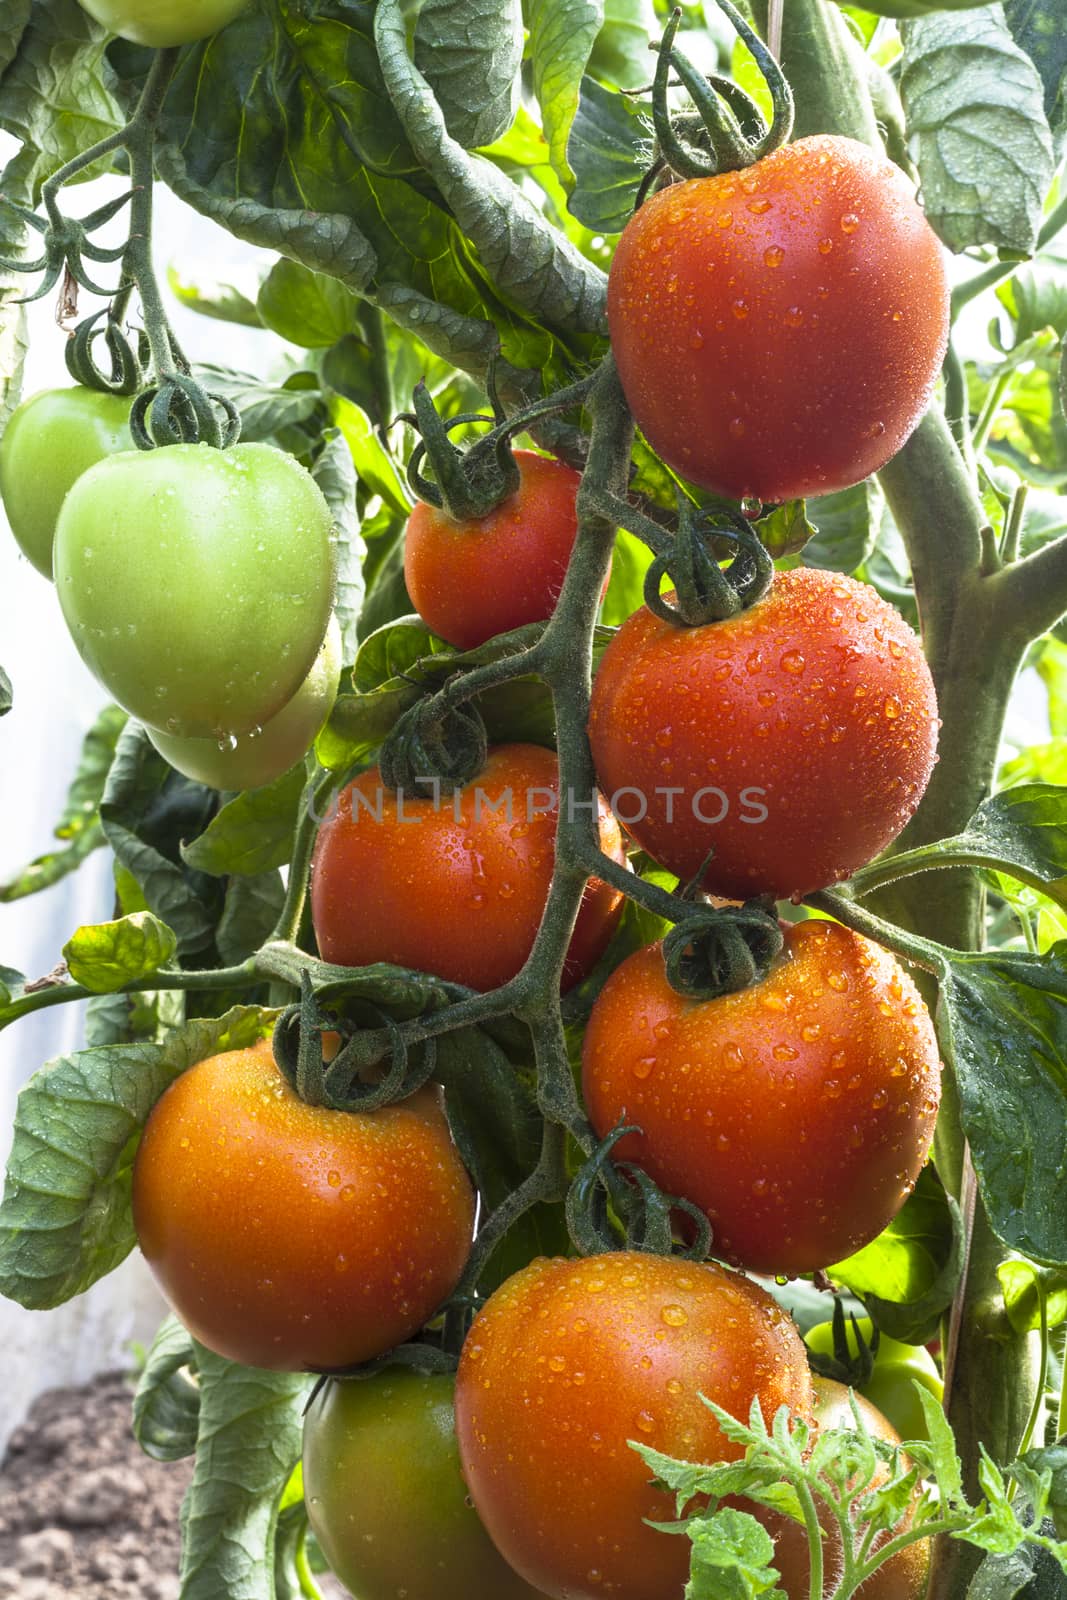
[
  {"x": 307, "y": 308},
  {"x": 977, "y": 130},
  {"x": 109, "y": 955},
  {"x": 787, "y": 530},
  {"x": 620, "y": 50},
  {"x": 609, "y": 151},
  {"x": 374, "y": 466},
  {"x": 1037, "y": 27},
  {"x": 733, "y": 1558},
  {"x": 166, "y": 1405},
  {"x": 65, "y": 1218},
  {"x": 1035, "y": 296},
  {"x": 249, "y": 915},
  {"x": 251, "y": 834},
  {"x": 562, "y": 33},
  {"x": 846, "y": 527},
  {"x": 247, "y": 1445},
  {"x": 470, "y": 52}
]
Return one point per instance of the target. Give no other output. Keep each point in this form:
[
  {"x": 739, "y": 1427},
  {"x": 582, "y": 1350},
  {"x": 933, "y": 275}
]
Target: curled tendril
[
  {"x": 337, "y": 1083},
  {"x": 127, "y": 363},
  {"x": 703, "y": 591},
  {"x": 644, "y": 1211},
  {"x": 719, "y": 950},
  {"x": 66, "y": 242},
  {"x": 467, "y": 484},
  {"x": 180, "y": 411},
  {"x": 433, "y": 749}
]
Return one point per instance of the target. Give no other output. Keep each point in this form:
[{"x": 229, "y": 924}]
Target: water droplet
[
  {"x": 674, "y": 1316},
  {"x": 737, "y": 428},
  {"x": 849, "y": 222},
  {"x": 642, "y": 1067},
  {"x": 825, "y": 246},
  {"x": 751, "y": 507},
  {"x": 740, "y": 309},
  {"x": 733, "y": 1057},
  {"x": 696, "y": 340},
  {"x": 792, "y": 661},
  {"x": 892, "y": 707},
  {"x": 556, "y": 1364},
  {"x": 793, "y": 317},
  {"x": 879, "y": 1099},
  {"x": 725, "y": 219},
  {"x": 773, "y": 256},
  {"x": 837, "y": 981},
  {"x": 645, "y": 1421}
]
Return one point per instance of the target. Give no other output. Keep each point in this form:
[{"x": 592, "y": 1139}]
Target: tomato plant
[
  {"x": 288, "y": 1235},
  {"x": 386, "y": 1497},
  {"x": 570, "y": 1359},
  {"x": 528, "y": 539},
  {"x": 161, "y": 23},
  {"x": 251, "y": 761},
  {"x": 49, "y": 441},
  {"x": 793, "y": 740},
  {"x": 796, "y": 1113},
  {"x": 484, "y": 853},
  {"x": 896, "y": 1370},
  {"x": 197, "y": 583},
  {"x": 748, "y": 310}
]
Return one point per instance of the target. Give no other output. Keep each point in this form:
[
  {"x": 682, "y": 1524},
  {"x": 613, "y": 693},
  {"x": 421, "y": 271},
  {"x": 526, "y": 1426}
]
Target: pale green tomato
[
  {"x": 897, "y": 1367},
  {"x": 160, "y": 23},
  {"x": 49, "y": 441},
  {"x": 251, "y": 762},
  {"x": 197, "y": 583}
]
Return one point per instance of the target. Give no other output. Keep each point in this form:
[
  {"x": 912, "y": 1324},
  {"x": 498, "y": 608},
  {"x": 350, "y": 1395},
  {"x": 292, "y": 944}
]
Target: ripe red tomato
[
  {"x": 471, "y": 580},
  {"x": 778, "y": 331},
  {"x": 795, "y": 738},
  {"x": 904, "y": 1576},
  {"x": 797, "y": 1113},
  {"x": 290, "y": 1236},
  {"x": 455, "y": 888},
  {"x": 385, "y": 1496},
  {"x": 571, "y": 1359}
]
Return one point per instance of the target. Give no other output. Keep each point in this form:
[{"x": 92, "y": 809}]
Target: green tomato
[
  {"x": 197, "y": 583},
  {"x": 385, "y": 1496},
  {"x": 49, "y": 441},
  {"x": 896, "y": 1367},
  {"x": 160, "y": 23},
  {"x": 249, "y": 762}
]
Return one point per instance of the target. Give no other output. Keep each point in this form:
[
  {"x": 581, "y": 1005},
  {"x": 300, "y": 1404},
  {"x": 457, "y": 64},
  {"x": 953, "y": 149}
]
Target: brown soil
[{"x": 84, "y": 1514}]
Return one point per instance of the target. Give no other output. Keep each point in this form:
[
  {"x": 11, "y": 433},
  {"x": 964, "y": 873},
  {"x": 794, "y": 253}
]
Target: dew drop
[
  {"x": 792, "y": 661},
  {"x": 891, "y": 707},
  {"x": 825, "y": 246},
  {"x": 674, "y": 1316},
  {"x": 737, "y": 428},
  {"x": 725, "y": 219},
  {"x": 773, "y": 256},
  {"x": 645, "y": 1421},
  {"x": 849, "y": 222},
  {"x": 740, "y": 309},
  {"x": 794, "y": 317}
]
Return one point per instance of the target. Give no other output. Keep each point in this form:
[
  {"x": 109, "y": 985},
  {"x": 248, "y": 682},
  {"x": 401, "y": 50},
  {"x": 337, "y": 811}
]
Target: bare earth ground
[{"x": 84, "y": 1514}]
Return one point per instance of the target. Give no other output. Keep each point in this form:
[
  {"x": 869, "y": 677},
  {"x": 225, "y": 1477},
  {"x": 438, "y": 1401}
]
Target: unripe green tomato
[
  {"x": 197, "y": 583},
  {"x": 49, "y": 441},
  {"x": 890, "y": 1385},
  {"x": 160, "y": 23},
  {"x": 385, "y": 1496},
  {"x": 251, "y": 762}
]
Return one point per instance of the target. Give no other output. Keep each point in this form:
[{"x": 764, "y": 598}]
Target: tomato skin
[
  {"x": 385, "y": 1495},
  {"x": 890, "y": 1386},
  {"x": 778, "y": 331},
  {"x": 289, "y": 1236},
  {"x": 815, "y": 706},
  {"x": 161, "y": 23},
  {"x": 471, "y": 580},
  {"x": 460, "y": 899},
  {"x": 197, "y": 583},
  {"x": 284, "y": 741},
  {"x": 904, "y": 1577},
  {"x": 50, "y": 440},
  {"x": 570, "y": 1359},
  {"x": 797, "y": 1113}
]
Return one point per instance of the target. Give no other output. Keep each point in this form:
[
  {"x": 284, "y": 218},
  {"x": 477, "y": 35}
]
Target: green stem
[
  {"x": 373, "y": 322},
  {"x": 137, "y": 262},
  {"x": 318, "y": 791},
  {"x": 957, "y": 408},
  {"x": 991, "y": 406}
]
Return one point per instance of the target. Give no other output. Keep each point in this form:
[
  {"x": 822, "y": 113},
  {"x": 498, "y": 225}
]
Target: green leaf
[
  {"x": 846, "y": 527},
  {"x": 79, "y": 825},
  {"x": 374, "y": 466},
  {"x": 289, "y": 415},
  {"x": 247, "y": 1445},
  {"x": 109, "y": 955},
  {"x": 65, "y": 1218},
  {"x": 251, "y": 834},
  {"x": 307, "y": 308},
  {"x": 212, "y": 297},
  {"x": 1019, "y": 1281},
  {"x": 1037, "y": 27},
  {"x": 1003, "y": 1021},
  {"x": 608, "y": 151},
  {"x": 786, "y": 530},
  {"x": 1014, "y": 1577},
  {"x": 562, "y": 33},
  {"x": 249, "y": 915},
  {"x": 5, "y": 693},
  {"x": 733, "y": 1558},
  {"x": 1035, "y": 297},
  {"x": 166, "y": 1406},
  {"x": 470, "y": 52},
  {"x": 978, "y": 131},
  {"x": 620, "y": 50},
  {"x": 909, "y": 1274},
  {"x": 13, "y": 338},
  {"x": 629, "y": 563},
  {"x": 16, "y": 21},
  {"x": 335, "y": 475}
]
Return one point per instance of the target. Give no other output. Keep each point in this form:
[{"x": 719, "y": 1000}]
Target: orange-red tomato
[
  {"x": 795, "y": 739},
  {"x": 471, "y": 580},
  {"x": 903, "y": 1577},
  {"x": 778, "y": 331},
  {"x": 571, "y": 1359},
  {"x": 458, "y": 887},
  {"x": 290, "y": 1236},
  {"x": 797, "y": 1113}
]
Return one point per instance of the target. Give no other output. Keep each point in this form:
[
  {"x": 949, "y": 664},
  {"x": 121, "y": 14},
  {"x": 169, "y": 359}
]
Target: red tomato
[
  {"x": 778, "y": 331},
  {"x": 471, "y": 580},
  {"x": 289, "y": 1236},
  {"x": 797, "y": 1113},
  {"x": 796, "y": 738},
  {"x": 456, "y": 888},
  {"x": 903, "y": 1577},
  {"x": 571, "y": 1359}
]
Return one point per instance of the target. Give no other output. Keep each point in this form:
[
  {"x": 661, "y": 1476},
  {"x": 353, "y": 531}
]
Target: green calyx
[
  {"x": 127, "y": 360},
  {"x": 466, "y": 484},
  {"x": 341, "y": 1083},
  {"x": 727, "y": 130},
  {"x": 719, "y": 951},
  {"x": 434, "y": 749},
  {"x": 613, "y": 1206},
  {"x": 703, "y": 591}
]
